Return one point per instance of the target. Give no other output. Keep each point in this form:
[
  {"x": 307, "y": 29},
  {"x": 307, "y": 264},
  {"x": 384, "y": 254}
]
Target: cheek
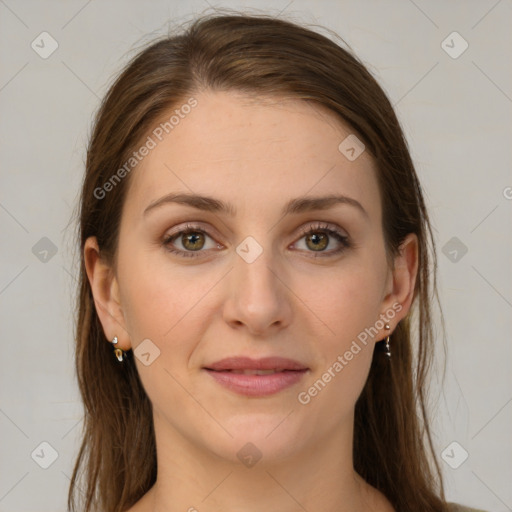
[
  {"x": 346, "y": 300},
  {"x": 331, "y": 396},
  {"x": 161, "y": 301},
  {"x": 347, "y": 305},
  {"x": 149, "y": 298},
  {"x": 353, "y": 311}
]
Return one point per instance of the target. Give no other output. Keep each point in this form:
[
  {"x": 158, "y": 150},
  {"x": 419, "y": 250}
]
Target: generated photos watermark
[
  {"x": 157, "y": 135},
  {"x": 304, "y": 397}
]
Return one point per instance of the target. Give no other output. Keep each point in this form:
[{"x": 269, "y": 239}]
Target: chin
[{"x": 268, "y": 437}]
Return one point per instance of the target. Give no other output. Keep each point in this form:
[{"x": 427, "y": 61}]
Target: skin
[{"x": 257, "y": 154}]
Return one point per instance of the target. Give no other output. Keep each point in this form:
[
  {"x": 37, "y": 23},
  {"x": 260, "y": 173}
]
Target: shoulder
[{"x": 456, "y": 507}]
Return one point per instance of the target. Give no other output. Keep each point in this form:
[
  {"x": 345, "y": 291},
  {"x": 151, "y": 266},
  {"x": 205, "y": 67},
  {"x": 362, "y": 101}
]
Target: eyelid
[
  {"x": 190, "y": 226},
  {"x": 321, "y": 226}
]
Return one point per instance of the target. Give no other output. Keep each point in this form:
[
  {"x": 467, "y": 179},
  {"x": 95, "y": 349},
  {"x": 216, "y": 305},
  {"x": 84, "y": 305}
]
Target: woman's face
[{"x": 250, "y": 283}]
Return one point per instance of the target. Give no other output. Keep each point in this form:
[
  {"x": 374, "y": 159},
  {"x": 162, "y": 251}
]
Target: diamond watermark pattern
[
  {"x": 249, "y": 249},
  {"x": 454, "y": 455},
  {"x": 249, "y": 455},
  {"x": 44, "y": 45},
  {"x": 454, "y": 249},
  {"x": 454, "y": 45},
  {"x": 146, "y": 352},
  {"x": 44, "y": 455},
  {"x": 44, "y": 250},
  {"x": 351, "y": 147}
]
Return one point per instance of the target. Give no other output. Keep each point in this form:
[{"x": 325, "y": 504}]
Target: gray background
[{"x": 457, "y": 116}]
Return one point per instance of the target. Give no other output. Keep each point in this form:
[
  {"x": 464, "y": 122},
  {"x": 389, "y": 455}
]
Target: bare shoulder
[
  {"x": 457, "y": 507},
  {"x": 381, "y": 504}
]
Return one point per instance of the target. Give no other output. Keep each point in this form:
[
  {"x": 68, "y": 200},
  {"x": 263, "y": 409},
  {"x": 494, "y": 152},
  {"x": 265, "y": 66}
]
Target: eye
[
  {"x": 317, "y": 237},
  {"x": 192, "y": 239}
]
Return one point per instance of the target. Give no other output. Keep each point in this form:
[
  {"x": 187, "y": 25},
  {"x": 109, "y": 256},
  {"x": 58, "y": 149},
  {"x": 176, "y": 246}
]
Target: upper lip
[{"x": 265, "y": 363}]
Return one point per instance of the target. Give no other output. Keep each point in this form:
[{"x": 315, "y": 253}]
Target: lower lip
[{"x": 257, "y": 385}]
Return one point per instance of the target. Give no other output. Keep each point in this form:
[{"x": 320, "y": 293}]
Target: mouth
[
  {"x": 239, "y": 363},
  {"x": 256, "y": 378},
  {"x": 254, "y": 372}
]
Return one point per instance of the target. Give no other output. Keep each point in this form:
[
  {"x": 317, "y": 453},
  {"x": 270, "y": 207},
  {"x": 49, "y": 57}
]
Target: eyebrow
[{"x": 294, "y": 206}]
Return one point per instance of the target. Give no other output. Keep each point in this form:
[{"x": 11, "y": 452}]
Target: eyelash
[{"x": 190, "y": 228}]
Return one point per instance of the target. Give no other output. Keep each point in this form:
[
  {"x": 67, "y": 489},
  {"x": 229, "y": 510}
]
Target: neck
[{"x": 319, "y": 477}]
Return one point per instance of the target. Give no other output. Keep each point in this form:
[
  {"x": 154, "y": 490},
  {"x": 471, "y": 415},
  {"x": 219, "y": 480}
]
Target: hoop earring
[
  {"x": 119, "y": 352},
  {"x": 388, "y": 351}
]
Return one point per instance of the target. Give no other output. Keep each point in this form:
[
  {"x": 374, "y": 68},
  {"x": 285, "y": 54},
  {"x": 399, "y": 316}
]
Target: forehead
[{"x": 256, "y": 153}]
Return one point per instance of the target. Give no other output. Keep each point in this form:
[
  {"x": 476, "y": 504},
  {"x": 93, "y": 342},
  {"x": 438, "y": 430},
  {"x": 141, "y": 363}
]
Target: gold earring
[{"x": 119, "y": 352}]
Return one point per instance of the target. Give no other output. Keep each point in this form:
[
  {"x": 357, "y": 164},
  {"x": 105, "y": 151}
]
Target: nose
[{"x": 257, "y": 296}]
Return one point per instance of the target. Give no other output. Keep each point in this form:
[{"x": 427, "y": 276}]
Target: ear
[
  {"x": 400, "y": 284},
  {"x": 105, "y": 291}
]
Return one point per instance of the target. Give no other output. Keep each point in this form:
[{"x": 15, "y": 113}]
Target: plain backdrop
[{"x": 455, "y": 105}]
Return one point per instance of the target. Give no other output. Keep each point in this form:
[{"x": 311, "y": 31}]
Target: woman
[{"x": 254, "y": 242}]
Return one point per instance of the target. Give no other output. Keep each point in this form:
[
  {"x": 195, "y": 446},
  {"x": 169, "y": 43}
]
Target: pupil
[
  {"x": 318, "y": 240},
  {"x": 192, "y": 238}
]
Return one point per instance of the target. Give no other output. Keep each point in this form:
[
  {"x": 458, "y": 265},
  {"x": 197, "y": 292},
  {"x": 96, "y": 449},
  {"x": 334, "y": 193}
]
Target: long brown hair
[{"x": 261, "y": 55}]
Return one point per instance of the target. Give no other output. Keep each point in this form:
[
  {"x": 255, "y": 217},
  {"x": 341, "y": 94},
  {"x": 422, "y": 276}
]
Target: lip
[
  {"x": 288, "y": 373},
  {"x": 265, "y": 363}
]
